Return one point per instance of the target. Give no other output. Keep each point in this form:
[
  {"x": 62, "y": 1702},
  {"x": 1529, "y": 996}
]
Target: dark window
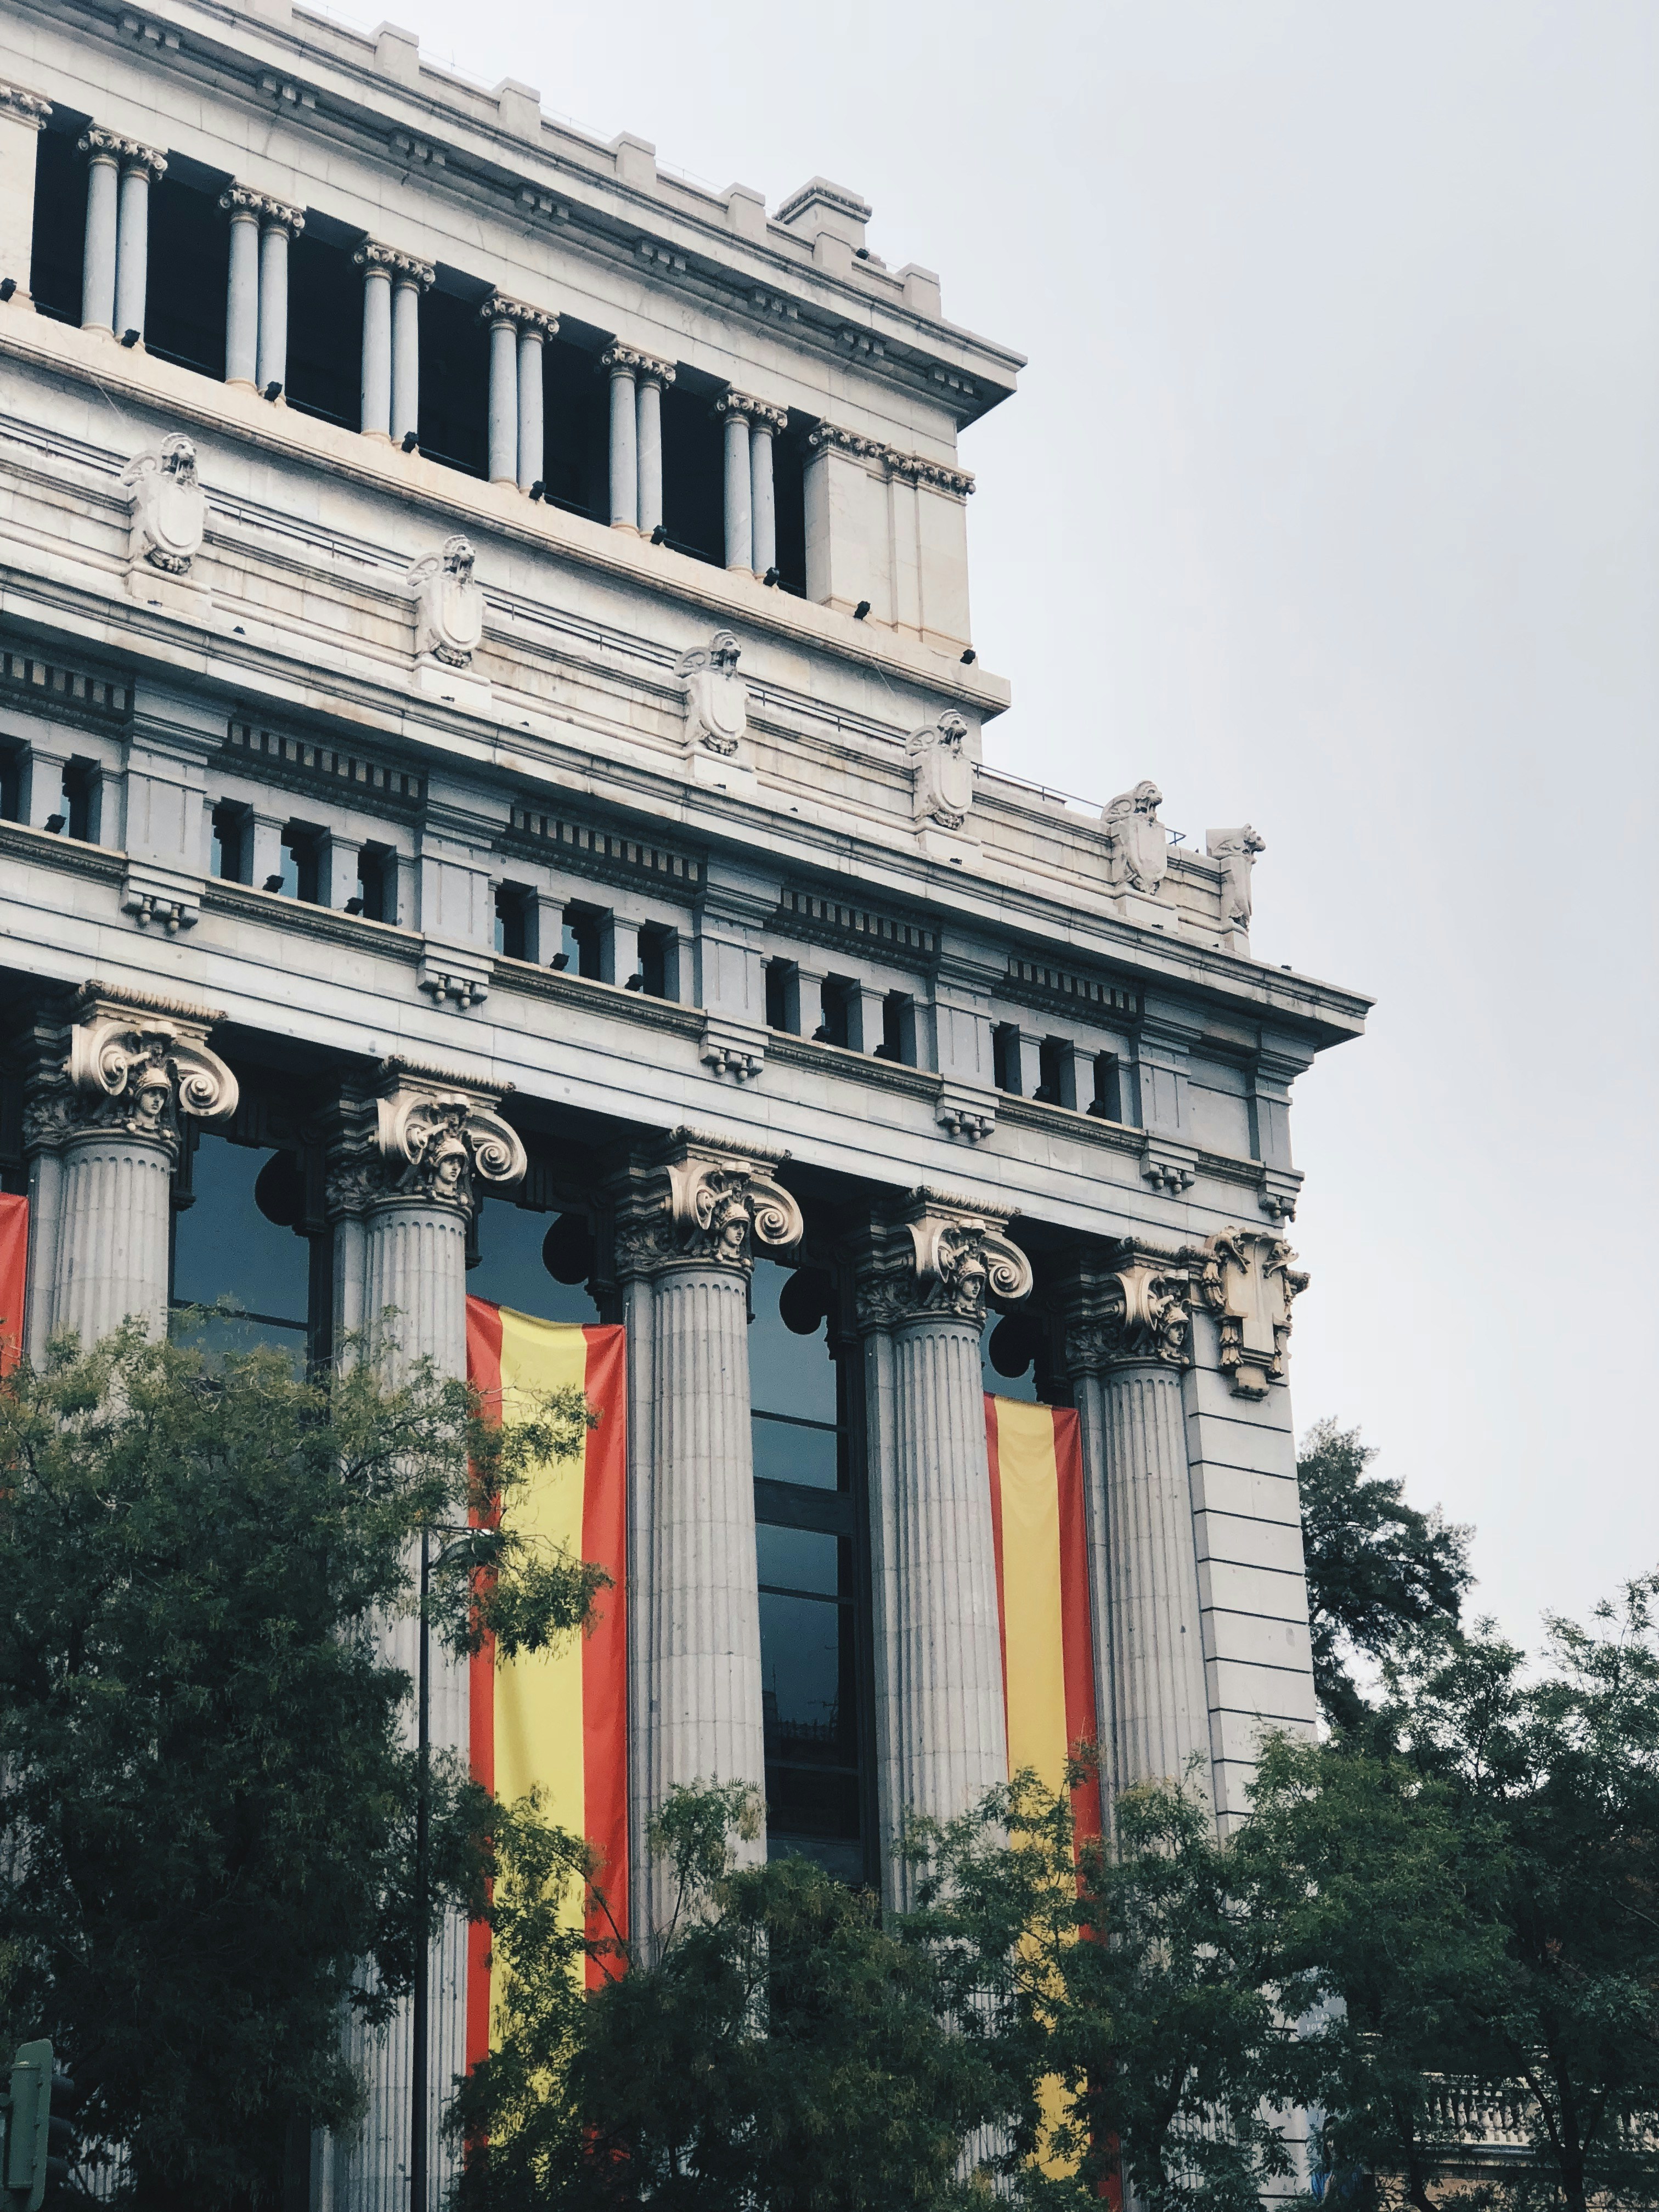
[
  {"x": 537, "y": 1263},
  {"x": 60, "y": 222},
  {"x": 577, "y": 439},
  {"x": 230, "y": 841},
  {"x": 1012, "y": 1350},
  {"x": 778, "y": 973},
  {"x": 454, "y": 382},
  {"x": 237, "y": 1234},
  {"x": 301, "y": 862},
  {"x": 324, "y": 330},
  {"x": 898, "y": 1029},
  {"x": 512, "y": 921},
  {"x": 82, "y": 786},
  {"x": 1005, "y": 1057},
  {"x": 814, "y": 1638},
  {"x": 377, "y": 877},
  {"x": 1053, "y": 1073},
  {"x": 837, "y": 1011},
  {"x": 653, "y": 960},
  {"x": 188, "y": 274},
  {"x": 693, "y": 475},
  {"x": 789, "y": 500},
  {"x": 11, "y": 783},
  {"x": 1108, "y": 1101},
  {"x": 579, "y": 954}
]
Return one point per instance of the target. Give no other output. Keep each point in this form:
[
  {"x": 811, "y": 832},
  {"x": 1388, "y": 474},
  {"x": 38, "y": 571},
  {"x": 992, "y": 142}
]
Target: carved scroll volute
[
  {"x": 963, "y": 1263},
  {"x": 724, "y": 1209},
  {"x": 1126, "y": 1306},
  {"x": 439, "y": 1146},
  {"x": 136, "y": 1071},
  {"x": 1247, "y": 1278}
]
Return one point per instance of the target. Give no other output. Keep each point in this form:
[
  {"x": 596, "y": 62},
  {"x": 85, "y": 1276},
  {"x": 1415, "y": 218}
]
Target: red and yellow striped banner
[
  {"x": 1043, "y": 1593},
  {"x": 557, "y": 1721},
  {"x": 13, "y": 1277}
]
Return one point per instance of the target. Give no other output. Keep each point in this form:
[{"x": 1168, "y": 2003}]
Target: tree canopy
[{"x": 207, "y": 1798}]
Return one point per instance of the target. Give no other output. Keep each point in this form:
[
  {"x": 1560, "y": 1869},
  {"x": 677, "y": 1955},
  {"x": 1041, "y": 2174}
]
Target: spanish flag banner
[
  {"x": 558, "y": 1721},
  {"x": 13, "y": 1277},
  {"x": 1042, "y": 1593}
]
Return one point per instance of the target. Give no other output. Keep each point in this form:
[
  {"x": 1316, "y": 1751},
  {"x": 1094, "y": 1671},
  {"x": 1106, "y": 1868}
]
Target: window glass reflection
[{"x": 226, "y": 1244}]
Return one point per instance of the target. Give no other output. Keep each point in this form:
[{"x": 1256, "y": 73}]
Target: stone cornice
[
  {"x": 243, "y": 199},
  {"x": 829, "y": 436},
  {"x": 407, "y": 266},
  {"x": 94, "y": 995},
  {"x": 24, "y": 106},
  {"x": 130, "y": 153}
]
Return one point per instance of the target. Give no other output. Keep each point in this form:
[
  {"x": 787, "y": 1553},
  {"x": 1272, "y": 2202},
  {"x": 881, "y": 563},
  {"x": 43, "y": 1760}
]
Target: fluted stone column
[
  {"x": 408, "y": 1167},
  {"x": 242, "y": 291},
  {"x": 653, "y": 379},
  {"x": 410, "y": 279},
  {"x": 620, "y": 362},
  {"x": 734, "y": 411},
  {"x": 923, "y": 1284},
  {"x": 532, "y": 424},
  {"x": 687, "y": 1222},
  {"x": 114, "y": 271},
  {"x": 103, "y": 1131},
  {"x": 1126, "y": 1344}
]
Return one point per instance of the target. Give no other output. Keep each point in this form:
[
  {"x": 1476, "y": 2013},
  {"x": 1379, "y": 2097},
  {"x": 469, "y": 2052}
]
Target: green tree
[
  {"x": 1121, "y": 1990},
  {"x": 774, "y": 2047},
  {"x": 1378, "y": 1568},
  {"x": 206, "y": 1804}
]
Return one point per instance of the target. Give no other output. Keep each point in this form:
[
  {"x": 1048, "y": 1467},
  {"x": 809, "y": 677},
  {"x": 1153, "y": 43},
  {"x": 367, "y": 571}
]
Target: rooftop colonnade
[{"x": 406, "y": 877}]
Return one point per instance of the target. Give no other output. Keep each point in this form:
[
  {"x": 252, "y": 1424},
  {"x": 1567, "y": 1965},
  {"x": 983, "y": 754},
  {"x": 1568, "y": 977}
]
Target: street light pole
[{"x": 421, "y": 2020}]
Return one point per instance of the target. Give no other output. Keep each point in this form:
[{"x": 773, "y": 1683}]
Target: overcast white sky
[{"x": 1330, "y": 500}]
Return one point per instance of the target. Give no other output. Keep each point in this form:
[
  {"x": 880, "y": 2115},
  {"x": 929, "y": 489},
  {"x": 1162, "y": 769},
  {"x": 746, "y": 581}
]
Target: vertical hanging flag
[
  {"x": 13, "y": 1277},
  {"x": 557, "y": 1721},
  {"x": 1042, "y": 1593}
]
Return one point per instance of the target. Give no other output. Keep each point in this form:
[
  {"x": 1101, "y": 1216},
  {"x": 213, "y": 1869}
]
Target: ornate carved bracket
[
  {"x": 1130, "y": 1309},
  {"x": 695, "y": 1205},
  {"x": 941, "y": 1257},
  {"x": 1248, "y": 1277},
  {"x": 422, "y": 1136},
  {"x": 134, "y": 1066}
]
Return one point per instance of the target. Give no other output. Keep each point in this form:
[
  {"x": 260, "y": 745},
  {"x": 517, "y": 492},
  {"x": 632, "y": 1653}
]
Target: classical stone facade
[{"x": 391, "y": 482}]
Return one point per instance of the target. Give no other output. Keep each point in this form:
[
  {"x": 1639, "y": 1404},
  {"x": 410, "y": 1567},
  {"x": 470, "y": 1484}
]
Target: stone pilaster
[
  {"x": 409, "y": 1165},
  {"x": 929, "y": 1267},
  {"x": 102, "y": 1128},
  {"x": 1247, "y": 1278},
  {"x": 688, "y": 1219},
  {"x": 1126, "y": 1344}
]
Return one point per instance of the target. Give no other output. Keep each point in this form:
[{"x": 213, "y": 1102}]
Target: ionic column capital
[
  {"x": 498, "y": 308},
  {"x": 130, "y": 153},
  {"x": 759, "y": 413},
  {"x": 694, "y": 1203},
  {"x": 271, "y": 213},
  {"x": 24, "y": 106},
  {"x": 128, "y": 1064},
  {"x": 402, "y": 268},
  {"x": 1127, "y": 1306},
  {"x": 1247, "y": 1278},
  {"x": 619, "y": 359},
  {"x": 936, "y": 1256},
  {"x": 422, "y": 1135}
]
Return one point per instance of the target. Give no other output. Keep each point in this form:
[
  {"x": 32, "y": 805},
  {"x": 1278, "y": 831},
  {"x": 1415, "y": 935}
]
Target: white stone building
[{"x": 485, "y": 640}]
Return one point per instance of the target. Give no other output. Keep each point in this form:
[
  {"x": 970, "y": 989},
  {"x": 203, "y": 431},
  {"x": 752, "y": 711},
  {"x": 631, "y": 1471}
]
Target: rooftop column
[
  {"x": 516, "y": 333},
  {"x": 654, "y": 378},
  {"x": 688, "y": 1219},
  {"x": 764, "y": 424},
  {"x": 392, "y": 284},
  {"x": 735, "y": 411},
  {"x": 277, "y": 225},
  {"x": 621, "y": 362},
  {"x": 22, "y": 118},
  {"x": 256, "y": 306},
  {"x": 114, "y": 268},
  {"x": 923, "y": 1284}
]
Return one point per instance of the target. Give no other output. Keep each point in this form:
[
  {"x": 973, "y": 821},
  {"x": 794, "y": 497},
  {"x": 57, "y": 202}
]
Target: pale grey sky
[{"x": 1331, "y": 501}]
